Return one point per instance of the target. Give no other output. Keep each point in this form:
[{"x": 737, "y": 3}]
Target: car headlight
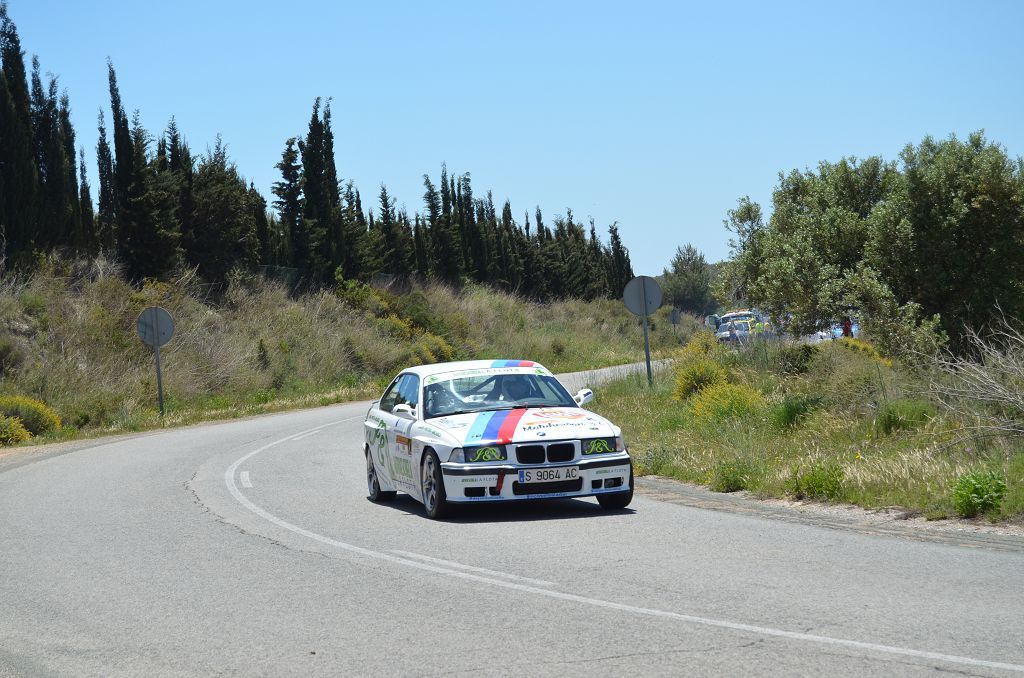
[
  {"x": 457, "y": 455},
  {"x": 485, "y": 453},
  {"x": 601, "y": 446},
  {"x": 620, "y": 444}
]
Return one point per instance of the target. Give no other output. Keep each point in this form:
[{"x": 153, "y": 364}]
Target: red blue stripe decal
[{"x": 494, "y": 428}]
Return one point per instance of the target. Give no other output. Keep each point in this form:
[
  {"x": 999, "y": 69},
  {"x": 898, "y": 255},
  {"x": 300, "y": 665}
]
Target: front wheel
[
  {"x": 617, "y": 500},
  {"x": 373, "y": 483},
  {"x": 434, "y": 500}
]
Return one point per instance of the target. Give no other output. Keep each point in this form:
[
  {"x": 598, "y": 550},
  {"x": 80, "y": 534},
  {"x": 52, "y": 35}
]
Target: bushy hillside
[
  {"x": 830, "y": 422},
  {"x": 68, "y": 338}
]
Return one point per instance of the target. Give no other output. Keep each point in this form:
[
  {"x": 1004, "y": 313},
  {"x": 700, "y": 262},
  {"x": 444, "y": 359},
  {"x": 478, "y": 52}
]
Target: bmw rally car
[{"x": 491, "y": 430}]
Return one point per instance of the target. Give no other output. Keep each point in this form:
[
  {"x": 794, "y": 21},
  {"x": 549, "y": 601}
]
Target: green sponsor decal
[
  {"x": 598, "y": 446},
  {"x": 402, "y": 467},
  {"x": 487, "y": 454}
]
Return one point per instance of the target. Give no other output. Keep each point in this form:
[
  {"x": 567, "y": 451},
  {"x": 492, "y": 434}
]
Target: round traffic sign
[
  {"x": 155, "y": 326},
  {"x": 642, "y": 295}
]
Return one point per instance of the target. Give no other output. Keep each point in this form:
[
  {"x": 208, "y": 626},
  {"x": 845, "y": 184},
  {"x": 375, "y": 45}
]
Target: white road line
[
  {"x": 229, "y": 480},
  {"x": 471, "y": 568},
  {"x": 310, "y": 432},
  {"x": 244, "y": 475}
]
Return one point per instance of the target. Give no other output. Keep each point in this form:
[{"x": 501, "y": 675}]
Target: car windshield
[{"x": 459, "y": 393}]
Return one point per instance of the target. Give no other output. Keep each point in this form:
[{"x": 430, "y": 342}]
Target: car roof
[{"x": 440, "y": 368}]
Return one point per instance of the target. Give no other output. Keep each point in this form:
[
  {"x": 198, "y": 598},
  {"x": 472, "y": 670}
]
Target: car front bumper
[{"x": 500, "y": 482}]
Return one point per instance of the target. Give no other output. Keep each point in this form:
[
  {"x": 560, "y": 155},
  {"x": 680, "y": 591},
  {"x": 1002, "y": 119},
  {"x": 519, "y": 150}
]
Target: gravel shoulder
[{"x": 890, "y": 522}]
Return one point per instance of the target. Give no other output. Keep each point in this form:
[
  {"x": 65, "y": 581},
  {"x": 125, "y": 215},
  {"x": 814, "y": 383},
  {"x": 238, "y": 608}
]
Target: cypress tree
[
  {"x": 124, "y": 158},
  {"x": 182, "y": 166},
  {"x": 622, "y": 269},
  {"x": 149, "y": 232},
  {"x": 421, "y": 247},
  {"x": 106, "y": 225},
  {"x": 18, "y": 173},
  {"x": 289, "y": 206},
  {"x": 75, "y": 225},
  {"x": 85, "y": 206},
  {"x": 224, "y": 223},
  {"x": 316, "y": 204},
  {"x": 258, "y": 208}
]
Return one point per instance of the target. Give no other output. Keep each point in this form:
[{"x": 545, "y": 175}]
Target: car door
[
  {"x": 379, "y": 428},
  {"x": 397, "y": 434}
]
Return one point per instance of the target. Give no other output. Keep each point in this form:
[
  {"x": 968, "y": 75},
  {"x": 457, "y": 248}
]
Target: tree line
[
  {"x": 925, "y": 250},
  {"x": 159, "y": 208}
]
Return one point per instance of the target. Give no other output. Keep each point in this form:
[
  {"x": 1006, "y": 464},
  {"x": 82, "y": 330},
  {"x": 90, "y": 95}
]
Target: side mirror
[
  {"x": 584, "y": 396},
  {"x": 404, "y": 411}
]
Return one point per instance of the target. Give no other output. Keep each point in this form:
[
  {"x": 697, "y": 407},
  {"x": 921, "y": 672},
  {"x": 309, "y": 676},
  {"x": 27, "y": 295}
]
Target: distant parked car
[
  {"x": 741, "y": 327},
  {"x": 491, "y": 430}
]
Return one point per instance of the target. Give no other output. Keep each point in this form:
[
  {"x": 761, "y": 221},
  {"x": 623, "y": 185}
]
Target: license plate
[{"x": 549, "y": 475}]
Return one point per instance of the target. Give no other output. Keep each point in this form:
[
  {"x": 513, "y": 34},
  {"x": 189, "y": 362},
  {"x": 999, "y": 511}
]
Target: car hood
[{"x": 524, "y": 425}]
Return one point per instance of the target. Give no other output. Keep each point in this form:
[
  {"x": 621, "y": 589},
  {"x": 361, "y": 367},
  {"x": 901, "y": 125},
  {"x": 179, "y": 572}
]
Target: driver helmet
[{"x": 516, "y": 386}]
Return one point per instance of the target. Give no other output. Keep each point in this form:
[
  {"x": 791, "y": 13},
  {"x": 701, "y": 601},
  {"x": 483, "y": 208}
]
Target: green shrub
[
  {"x": 722, "y": 400},
  {"x": 730, "y": 475},
  {"x": 693, "y": 375},
  {"x": 396, "y": 327},
  {"x": 817, "y": 481},
  {"x": 796, "y": 358},
  {"x": 557, "y": 347},
  {"x": 793, "y": 408},
  {"x": 978, "y": 492},
  {"x": 903, "y": 415},
  {"x": 11, "y": 355},
  {"x": 864, "y": 348},
  {"x": 12, "y": 431},
  {"x": 34, "y": 415},
  {"x": 701, "y": 345}
]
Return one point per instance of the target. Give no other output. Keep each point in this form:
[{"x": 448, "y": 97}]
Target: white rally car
[{"x": 491, "y": 430}]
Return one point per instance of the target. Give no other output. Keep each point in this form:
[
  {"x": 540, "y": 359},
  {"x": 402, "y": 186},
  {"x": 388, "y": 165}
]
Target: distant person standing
[{"x": 848, "y": 327}]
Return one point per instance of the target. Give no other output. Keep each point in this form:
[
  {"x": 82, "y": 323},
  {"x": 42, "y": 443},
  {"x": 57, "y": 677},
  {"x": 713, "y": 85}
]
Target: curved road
[{"x": 249, "y": 548}]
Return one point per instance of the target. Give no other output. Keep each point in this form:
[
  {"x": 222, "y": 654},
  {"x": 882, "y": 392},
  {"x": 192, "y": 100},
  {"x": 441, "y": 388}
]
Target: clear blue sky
[{"x": 655, "y": 115}]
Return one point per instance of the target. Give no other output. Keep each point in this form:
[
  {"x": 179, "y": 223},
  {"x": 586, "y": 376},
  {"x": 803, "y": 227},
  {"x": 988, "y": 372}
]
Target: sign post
[
  {"x": 156, "y": 328},
  {"x": 642, "y": 297}
]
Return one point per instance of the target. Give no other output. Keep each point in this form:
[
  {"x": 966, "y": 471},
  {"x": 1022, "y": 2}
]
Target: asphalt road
[{"x": 249, "y": 548}]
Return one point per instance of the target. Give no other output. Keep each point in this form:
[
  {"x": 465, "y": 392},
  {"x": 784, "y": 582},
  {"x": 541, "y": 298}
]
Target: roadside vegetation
[
  {"x": 833, "y": 422},
  {"x": 72, "y": 364}
]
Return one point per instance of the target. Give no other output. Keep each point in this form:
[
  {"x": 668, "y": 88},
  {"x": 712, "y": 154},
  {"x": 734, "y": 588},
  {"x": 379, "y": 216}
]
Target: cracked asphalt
[{"x": 132, "y": 556}]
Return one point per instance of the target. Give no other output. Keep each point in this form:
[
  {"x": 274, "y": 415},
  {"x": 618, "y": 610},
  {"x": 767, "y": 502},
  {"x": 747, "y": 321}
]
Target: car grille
[
  {"x": 551, "y": 452},
  {"x": 530, "y": 454},
  {"x": 519, "y": 488},
  {"x": 561, "y": 452}
]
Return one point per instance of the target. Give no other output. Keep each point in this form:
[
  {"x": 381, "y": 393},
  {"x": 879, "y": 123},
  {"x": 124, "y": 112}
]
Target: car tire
[
  {"x": 617, "y": 500},
  {"x": 435, "y": 503},
  {"x": 373, "y": 483}
]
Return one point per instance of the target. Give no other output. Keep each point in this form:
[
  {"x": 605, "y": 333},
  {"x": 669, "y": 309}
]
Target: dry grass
[
  {"x": 838, "y": 440},
  {"x": 67, "y": 337}
]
